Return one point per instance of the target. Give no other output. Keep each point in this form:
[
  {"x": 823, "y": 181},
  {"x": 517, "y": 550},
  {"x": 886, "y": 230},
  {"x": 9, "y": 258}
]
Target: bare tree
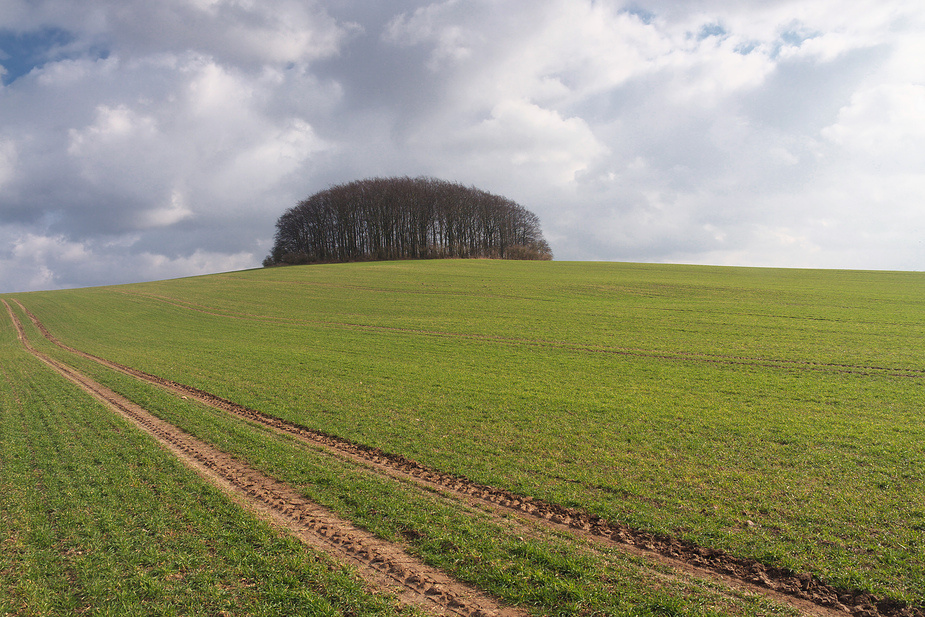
[{"x": 405, "y": 218}]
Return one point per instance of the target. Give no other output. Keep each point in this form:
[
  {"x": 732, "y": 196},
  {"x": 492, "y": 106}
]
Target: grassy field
[
  {"x": 526, "y": 566},
  {"x": 775, "y": 414},
  {"x": 95, "y": 519}
]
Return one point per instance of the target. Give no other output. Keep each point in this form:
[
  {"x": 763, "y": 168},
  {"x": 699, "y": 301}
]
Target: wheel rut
[
  {"x": 384, "y": 564},
  {"x": 801, "y": 590}
]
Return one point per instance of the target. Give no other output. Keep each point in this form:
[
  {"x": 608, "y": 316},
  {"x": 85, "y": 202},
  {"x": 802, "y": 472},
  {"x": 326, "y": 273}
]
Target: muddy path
[
  {"x": 801, "y": 590},
  {"x": 384, "y": 564}
]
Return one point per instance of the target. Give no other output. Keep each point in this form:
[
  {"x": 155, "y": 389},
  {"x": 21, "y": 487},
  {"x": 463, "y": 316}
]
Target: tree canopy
[{"x": 405, "y": 218}]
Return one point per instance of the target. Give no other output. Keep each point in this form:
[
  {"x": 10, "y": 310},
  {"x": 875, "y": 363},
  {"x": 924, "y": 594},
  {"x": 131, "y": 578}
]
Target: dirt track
[
  {"x": 801, "y": 590},
  {"x": 382, "y": 563}
]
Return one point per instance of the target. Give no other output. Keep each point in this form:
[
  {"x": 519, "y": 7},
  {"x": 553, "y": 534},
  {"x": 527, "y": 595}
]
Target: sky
[{"x": 148, "y": 140}]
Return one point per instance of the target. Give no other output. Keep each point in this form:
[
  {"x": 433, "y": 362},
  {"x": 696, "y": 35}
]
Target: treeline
[{"x": 405, "y": 218}]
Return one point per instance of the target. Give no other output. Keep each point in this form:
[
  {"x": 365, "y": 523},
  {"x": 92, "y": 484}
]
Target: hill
[{"x": 769, "y": 415}]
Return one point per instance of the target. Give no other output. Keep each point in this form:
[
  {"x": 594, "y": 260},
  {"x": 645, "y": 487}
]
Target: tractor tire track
[
  {"x": 382, "y": 563},
  {"x": 799, "y": 589}
]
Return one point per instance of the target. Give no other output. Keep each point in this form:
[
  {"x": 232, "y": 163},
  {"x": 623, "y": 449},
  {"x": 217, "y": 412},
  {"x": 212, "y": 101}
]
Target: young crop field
[
  {"x": 773, "y": 416},
  {"x": 97, "y": 520}
]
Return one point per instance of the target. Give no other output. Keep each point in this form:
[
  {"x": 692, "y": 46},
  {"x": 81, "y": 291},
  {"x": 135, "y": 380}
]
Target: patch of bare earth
[{"x": 801, "y": 590}]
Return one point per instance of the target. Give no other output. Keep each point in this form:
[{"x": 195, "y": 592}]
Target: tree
[{"x": 405, "y": 218}]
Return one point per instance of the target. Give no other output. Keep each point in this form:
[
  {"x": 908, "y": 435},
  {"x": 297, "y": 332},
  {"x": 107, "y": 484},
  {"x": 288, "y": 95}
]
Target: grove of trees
[{"x": 405, "y": 218}]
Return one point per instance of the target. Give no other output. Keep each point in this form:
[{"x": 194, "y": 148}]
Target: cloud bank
[{"x": 146, "y": 140}]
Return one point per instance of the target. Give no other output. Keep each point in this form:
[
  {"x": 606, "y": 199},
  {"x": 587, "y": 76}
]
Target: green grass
[
  {"x": 96, "y": 519},
  {"x": 687, "y": 400},
  {"x": 549, "y": 573}
]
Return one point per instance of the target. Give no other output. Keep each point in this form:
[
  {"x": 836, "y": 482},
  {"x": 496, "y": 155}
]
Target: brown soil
[
  {"x": 799, "y": 589},
  {"x": 382, "y": 563}
]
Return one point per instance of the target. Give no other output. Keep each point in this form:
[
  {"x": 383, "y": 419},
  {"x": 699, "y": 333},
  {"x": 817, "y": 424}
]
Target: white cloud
[
  {"x": 113, "y": 127},
  {"x": 217, "y": 93},
  {"x": 262, "y": 165},
  {"x": 522, "y": 134},
  {"x": 236, "y": 31},
  {"x": 168, "y": 136},
  {"x": 152, "y": 265},
  {"x": 167, "y": 215},
  {"x": 541, "y": 52},
  {"x": 714, "y": 68},
  {"x": 886, "y": 122},
  {"x": 42, "y": 248},
  {"x": 434, "y": 24},
  {"x": 54, "y": 262},
  {"x": 33, "y": 260},
  {"x": 189, "y": 138}
]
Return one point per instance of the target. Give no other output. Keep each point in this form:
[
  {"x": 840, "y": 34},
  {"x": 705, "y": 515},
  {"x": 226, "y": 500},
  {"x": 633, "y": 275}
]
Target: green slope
[{"x": 775, "y": 414}]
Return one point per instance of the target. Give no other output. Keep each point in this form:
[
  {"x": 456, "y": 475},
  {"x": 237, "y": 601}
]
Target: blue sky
[
  {"x": 20, "y": 52},
  {"x": 144, "y": 140}
]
